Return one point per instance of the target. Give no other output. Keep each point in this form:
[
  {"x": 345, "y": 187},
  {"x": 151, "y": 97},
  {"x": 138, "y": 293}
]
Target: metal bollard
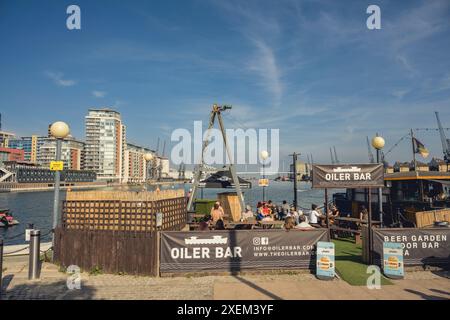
[
  {"x": 35, "y": 249},
  {"x": 1, "y": 266}
]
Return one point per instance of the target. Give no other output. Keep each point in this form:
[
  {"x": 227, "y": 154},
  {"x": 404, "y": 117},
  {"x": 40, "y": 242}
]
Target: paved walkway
[{"x": 52, "y": 285}]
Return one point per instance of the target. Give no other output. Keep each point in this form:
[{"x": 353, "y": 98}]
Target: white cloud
[
  {"x": 266, "y": 66},
  {"x": 400, "y": 93},
  {"x": 99, "y": 94},
  {"x": 57, "y": 78}
]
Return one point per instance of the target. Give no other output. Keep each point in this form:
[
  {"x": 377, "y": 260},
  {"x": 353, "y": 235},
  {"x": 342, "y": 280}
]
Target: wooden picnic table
[
  {"x": 243, "y": 224},
  {"x": 349, "y": 219},
  {"x": 270, "y": 224}
]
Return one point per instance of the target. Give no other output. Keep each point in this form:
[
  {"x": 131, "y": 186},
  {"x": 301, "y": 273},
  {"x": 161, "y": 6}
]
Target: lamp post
[
  {"x": 264, "y": 155},
  {"x": 294, "y": 172},
  {"x": 378, "y": 143},
  {"x": 59, "y": 130}
]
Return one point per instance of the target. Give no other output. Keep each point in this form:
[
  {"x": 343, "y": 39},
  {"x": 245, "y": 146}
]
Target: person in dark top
[{"x": 219, "y": 225}]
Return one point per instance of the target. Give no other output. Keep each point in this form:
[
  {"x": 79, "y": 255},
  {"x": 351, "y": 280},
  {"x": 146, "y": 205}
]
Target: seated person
[
  {"x": 266, "y": 211},
  {"x": 284, "y": 210},
  {"x": 272, "y": 207},
  {"x": 267, "y": 218},
  {"x": 315, "y": 217},
  {"x": 294, "y": 214},
  {"x": 203, "y": 226},
  {"x": 333, "y": 214},
  {"x": 363, "y": 216},
  {"x": 248, "y": 214},
  {"x": 219, "y": 225},
  {"x": 303, "y": 224},
  {"x": 289, "y": 223}
]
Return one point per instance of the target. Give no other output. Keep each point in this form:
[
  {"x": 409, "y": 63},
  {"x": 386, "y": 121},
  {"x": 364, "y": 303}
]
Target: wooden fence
[
  {"x": 427, "y": 218},
  {"x": 123, "y": 211},
  {"x": 117, "y": 231},
  {"x": 108, "y": 251}
]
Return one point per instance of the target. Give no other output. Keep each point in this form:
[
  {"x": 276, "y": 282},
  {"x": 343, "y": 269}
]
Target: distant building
[
  {"x": 401, "y": 166},
  {"x": 4, "y": 137},
  {"x": 72, "y": 153},
  {"x": 302, "y": 171},
  {"x": 418, "y": 166},
  {"x": 136, "y": 170},
  {"x": 105, "y": 144},
  {"x": 30, "y": 146},
  {"x": 389, "y": 169},
  {"x": 437, "y": 164},
  {"x": 164, "y": 166},
  {"x": 8, "y": 154},
  {"x": 28, "y": 172}
]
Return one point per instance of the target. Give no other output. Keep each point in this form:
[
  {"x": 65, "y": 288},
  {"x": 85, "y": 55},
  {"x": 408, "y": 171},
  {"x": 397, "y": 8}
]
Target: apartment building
[
  {"x": 72, "y": 153},
  {"x": 105, "y": 144},
  {"x": 137, "y": 168}
]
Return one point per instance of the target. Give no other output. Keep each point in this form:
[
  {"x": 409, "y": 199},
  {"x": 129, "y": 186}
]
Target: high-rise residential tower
[{"x": 105, "y": 144}]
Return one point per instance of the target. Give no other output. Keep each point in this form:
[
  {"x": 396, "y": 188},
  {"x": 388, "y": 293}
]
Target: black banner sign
[
  {"x": 420, "y": 246},
  {"x": 234, "y": 250},
  {"x": 347, "y": 176}
]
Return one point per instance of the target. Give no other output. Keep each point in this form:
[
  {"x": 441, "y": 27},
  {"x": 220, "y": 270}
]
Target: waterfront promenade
[{"x": 418, "y": 285}]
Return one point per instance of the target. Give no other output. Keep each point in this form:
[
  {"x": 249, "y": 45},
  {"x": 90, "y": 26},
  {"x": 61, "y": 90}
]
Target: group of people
[{"x": 268, "y": 211}]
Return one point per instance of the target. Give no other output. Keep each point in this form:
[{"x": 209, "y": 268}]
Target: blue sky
[{"x": 310, "y": 68}]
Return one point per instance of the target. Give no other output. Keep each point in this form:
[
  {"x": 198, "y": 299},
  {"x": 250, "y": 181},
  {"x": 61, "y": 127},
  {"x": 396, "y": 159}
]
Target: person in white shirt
[
  {"x": 248, "y": 214},
  {"x": 315, "y": 217},
  {"x": 294, "y": 214},
  {"x": 303, "y": 224}
]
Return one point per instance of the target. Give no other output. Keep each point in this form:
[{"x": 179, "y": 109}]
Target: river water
[{"x": 37, "y": 207}]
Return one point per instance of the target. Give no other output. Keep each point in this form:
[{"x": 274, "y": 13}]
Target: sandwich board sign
[
  {"x": 393, "y": 260},
  {"x": 263, "y": 182},
  {"x": 325, "y": 260}
]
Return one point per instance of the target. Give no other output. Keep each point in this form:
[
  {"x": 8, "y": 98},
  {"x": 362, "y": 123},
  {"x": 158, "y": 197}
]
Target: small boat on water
[{"x": 6, "y": 219}]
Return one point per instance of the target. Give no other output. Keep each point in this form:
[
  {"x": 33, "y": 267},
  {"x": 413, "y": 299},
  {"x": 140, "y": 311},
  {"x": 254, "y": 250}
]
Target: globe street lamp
[
  {"x": 378, "y": 143},
  {"x": 264, "y": 155},
  {"x": 59, "y": 130}
]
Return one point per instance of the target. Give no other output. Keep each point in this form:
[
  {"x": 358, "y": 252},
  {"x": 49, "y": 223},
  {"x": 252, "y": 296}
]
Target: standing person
[
  {"x": 219, "y": 206},
  {"x": 216, "y": 214},
  {"x": 315, "y": 217}
]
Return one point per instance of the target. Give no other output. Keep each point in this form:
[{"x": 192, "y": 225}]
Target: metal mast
[
  {"x": 335, "y": 155},
  {"x": 445, "y": 142},
  {"x": 371, "y": 159},
  {"x": 216, "y": 112}
]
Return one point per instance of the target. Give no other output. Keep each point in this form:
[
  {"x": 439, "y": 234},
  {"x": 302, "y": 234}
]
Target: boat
[
  {"x": 404, "y": 194},
  {"x": 6, "y": 219}
]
